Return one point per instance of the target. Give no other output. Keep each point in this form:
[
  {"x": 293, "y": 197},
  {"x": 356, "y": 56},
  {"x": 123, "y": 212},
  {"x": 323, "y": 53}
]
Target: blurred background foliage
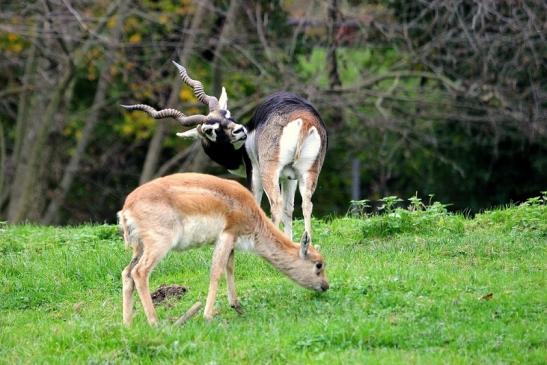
[{"x": 444, "y": 97}]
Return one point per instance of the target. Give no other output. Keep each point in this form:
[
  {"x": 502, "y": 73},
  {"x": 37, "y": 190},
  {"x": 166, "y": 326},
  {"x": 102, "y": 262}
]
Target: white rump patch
[
  {"x": 295, "y": 153},
  {"x": 309, "y": 150},
  {"x": 129, "y": 227},
  {"x": 289, "y": 142}
]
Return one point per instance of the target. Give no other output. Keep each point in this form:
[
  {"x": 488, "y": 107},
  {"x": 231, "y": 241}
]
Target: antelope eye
[{"x": 319, "y": 265}]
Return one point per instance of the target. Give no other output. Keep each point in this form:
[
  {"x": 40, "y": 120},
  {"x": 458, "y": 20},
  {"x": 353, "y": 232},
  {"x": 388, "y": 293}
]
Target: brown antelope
[
  {"x": 285, "y": 145},
  {"x": 183, "y": 211}
]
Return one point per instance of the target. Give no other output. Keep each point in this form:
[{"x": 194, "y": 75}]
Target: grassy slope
[{"x": 405, "y": 288}]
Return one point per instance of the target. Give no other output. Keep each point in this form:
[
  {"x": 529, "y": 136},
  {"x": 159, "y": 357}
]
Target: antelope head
[{"x": 217, "y": 127}]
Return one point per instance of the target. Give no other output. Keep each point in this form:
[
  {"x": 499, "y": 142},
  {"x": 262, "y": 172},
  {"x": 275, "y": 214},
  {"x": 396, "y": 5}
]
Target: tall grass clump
[
  {"x": 530, "y": 216},
  {"x": 391, "y": 218}
]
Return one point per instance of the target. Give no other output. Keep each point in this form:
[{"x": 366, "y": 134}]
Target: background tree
[{"x": 443, "y": 97}]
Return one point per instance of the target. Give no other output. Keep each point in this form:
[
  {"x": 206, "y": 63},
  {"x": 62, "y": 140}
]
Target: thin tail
[{"x": 128, "y": 229}]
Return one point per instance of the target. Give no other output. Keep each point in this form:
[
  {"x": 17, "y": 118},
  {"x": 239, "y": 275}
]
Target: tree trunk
[
  {"x": 23, "y": 105},
  {"x": 58, "y": 198},
  {"x": 27, "y": 169},
  {"x": 197, "y": 161},
  {"x": 334, "y": 82},
  {"x": 33, "y": 157},
  {"x": 154, "y": 149},
  {"x": 153, "y": 153},
  {"x": 2, "y": 160},
  {"x": 74, "y": 163},
  {"x": 223, "y": 39},
  {"x": 355, "y": 179},
  {"x": 332, "y": 63}
]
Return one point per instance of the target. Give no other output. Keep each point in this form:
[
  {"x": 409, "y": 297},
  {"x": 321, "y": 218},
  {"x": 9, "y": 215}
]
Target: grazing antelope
[
  {"x": 285, "y": 145},
  {"x": 182, "y": 211}
]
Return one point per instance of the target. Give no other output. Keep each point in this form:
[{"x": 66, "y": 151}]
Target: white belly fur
[{"x": 198, "y": 230}]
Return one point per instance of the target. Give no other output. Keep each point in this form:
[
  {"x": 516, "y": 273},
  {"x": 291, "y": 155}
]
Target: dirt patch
[{"x": 165, "y": 292}]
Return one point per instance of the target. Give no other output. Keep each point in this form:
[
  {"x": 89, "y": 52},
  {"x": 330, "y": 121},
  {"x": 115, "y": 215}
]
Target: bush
[
  {"x": 417, "y": 217},
  {"x": 530, "y": 216}
]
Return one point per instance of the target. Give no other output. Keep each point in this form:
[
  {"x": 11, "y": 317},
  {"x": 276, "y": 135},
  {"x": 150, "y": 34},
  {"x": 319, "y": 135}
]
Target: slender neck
[{"x": 276, "y": 248}]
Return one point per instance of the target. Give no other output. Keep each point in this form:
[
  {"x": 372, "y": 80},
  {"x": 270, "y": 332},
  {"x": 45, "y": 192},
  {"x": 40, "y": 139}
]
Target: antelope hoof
[
  {"x": 209, "y": 316},
  {"x": 237, "y": 307}
]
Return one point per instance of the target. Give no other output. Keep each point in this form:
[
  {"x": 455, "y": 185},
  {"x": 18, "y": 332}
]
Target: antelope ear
[
  {"x": 304, "y": 244},
  {"x": 191, "y": 133},
  {"x": 223, "y": 102}
]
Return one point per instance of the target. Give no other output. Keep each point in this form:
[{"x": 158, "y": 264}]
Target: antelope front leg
[
  {"x": 230, "y": 283},
  {"x": 221, "y": 254}
]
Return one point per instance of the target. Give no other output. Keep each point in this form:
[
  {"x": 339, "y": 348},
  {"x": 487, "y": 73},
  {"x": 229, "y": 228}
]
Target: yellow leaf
[
  {"x": 130, "y": 23},
  {"x": 16, "y": 48},
  {"x": 192, "y": 111},
  {"x": 135, "y": 38},
  {"x": 186, "y": 94},
  {"x": 163, "y": 19},
  {"x": 127, "y": 129},
  {"x": 112, "y": 22}
]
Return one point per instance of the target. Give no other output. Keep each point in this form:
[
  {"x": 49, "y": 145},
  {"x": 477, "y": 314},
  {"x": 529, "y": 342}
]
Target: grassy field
[{"x": 414, "y": 285}]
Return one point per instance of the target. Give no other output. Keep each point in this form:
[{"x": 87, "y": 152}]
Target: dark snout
[
  {"x": 324, "y": 286},
  {"x": 240, "y": 133}
]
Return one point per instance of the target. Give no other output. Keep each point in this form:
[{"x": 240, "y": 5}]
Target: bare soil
[{"x": 165, "y": 292}]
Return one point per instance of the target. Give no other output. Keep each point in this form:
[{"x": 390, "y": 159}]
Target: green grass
[{"x": 407, "y": 286}]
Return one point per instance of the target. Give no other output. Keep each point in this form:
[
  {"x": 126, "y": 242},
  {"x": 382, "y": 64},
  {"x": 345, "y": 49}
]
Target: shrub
[{"x": 417, "y": 217}]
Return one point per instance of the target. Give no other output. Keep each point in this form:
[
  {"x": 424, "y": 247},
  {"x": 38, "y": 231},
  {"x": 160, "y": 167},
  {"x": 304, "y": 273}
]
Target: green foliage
[
  {"x": 352, "y": 63},
  {"x": 530, "y": 216},
  {"x": 434, "y": 218},
  {"x": 420, "y": 294},
  {"x": 358, "y": 207},
  {"x": 416, "y": 218}
]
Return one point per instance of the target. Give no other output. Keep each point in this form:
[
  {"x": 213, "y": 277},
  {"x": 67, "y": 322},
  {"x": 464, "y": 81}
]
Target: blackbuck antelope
[
  {"x": 285, "y": 145},
  {"x": 182, "y": 211}
]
